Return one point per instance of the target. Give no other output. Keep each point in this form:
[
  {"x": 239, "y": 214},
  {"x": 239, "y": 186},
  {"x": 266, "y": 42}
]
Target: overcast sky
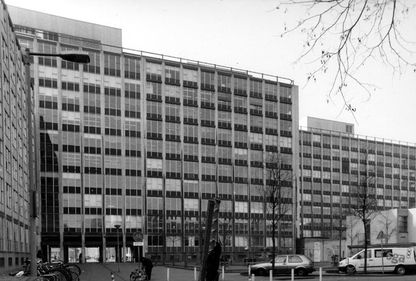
[{"x": 246, "y": 34}]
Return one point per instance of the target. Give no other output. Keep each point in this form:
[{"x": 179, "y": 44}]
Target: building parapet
[{"x": 357, "y": 136}]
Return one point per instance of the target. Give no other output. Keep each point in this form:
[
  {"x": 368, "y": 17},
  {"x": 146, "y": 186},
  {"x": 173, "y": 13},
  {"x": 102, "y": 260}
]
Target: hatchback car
[{"x": 283, "y": 265}]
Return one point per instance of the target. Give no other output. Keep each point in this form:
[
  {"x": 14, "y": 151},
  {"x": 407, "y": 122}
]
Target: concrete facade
[
  {"x": 334, "y": 165},
  {"x": 394, "y": 226},
  {"x": 144, "y": 140},
  {"x": 14, "y": 195}
]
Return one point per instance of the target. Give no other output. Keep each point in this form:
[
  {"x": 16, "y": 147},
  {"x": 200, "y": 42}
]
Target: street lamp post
[
  {"x": 31, "y": 139},
  {"x": 118, "y": 254}
]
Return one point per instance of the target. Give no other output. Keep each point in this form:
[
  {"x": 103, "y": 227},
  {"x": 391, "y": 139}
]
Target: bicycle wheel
[
  {"x": 73, "y": 268},
  {"x": 66, "y": 274},
  {"x": 40, "y": 278},
  {"x": 140, "y": 278},
  {"x": 75, "y": 276}
]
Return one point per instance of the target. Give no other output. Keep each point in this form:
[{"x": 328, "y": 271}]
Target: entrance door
[
  {"x": 129, "y": 255},
  {"x": 73, "y": 254},
  {"x": 92, "y": 254},
  {"x": 55, "y": 254},
  {"x": 110, "y": 254}
]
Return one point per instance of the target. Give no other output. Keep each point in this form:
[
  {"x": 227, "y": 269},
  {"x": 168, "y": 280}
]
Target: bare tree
[
  {"x": 342, "y": 36},
  {"x": 278, "y": 202},
  {"x": 387, "y": 222},
  {"x": 366, "y": 205},
  {"x": 351, "y": 222}
]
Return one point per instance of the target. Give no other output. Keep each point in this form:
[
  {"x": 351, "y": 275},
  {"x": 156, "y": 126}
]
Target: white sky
[{"x": 245, "y": 34}]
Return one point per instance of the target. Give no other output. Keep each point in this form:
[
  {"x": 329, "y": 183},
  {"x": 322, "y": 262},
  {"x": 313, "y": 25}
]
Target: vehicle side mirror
[{"x": 359, "y": 257}]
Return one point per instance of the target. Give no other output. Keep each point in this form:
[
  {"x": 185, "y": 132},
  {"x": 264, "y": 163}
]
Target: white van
[{"x": 386, "y": 259}]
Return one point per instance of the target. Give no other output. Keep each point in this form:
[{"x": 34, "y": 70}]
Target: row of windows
[
  {"x": 327, "y": 153},
  {"x": 132, "y": 90},
  {"x": 354, "y": 144},
  {"x": 172, "y": 76}
]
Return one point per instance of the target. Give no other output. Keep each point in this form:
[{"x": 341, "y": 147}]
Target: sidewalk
[
  {"x": 238, "y": 268},
  {"x": 103, "y": 272}
]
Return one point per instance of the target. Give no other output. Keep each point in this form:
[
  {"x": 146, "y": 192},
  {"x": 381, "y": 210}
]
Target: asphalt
[{"x": 121, "y": 272}]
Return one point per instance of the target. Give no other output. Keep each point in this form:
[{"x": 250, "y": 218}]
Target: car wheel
[
  {"x": 401, "y": 270},
  {"x": 301, "y": 272},
  {"x": 350, "y": 270},
  {"x": 261, "y": 272}
]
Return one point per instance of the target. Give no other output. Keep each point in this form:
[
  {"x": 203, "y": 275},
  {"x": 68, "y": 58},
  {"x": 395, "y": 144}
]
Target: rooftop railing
[
  {"x": 357, "y": 136},
  {"x": 85, "y": 42}
]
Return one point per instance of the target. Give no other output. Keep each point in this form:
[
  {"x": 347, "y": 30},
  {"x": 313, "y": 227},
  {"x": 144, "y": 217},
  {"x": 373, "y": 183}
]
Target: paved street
[
  {"x": 96, "y": 272},
  {"x": 102, "y": 272}
]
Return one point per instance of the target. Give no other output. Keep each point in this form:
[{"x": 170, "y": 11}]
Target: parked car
[
  {"x": 284, "y": 264},
  {"x": 387, "y": 259}
]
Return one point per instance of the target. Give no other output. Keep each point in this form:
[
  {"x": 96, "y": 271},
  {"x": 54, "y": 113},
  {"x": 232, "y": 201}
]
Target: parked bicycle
[
  {"x": 138, "y": 275},
  {"x": 69, "y": 272}
]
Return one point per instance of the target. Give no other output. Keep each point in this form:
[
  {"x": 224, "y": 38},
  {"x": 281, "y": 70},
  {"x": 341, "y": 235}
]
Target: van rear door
[{"x": 414, "y": 253}]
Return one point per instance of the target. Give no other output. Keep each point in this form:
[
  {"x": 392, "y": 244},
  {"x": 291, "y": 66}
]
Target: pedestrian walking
[{"x": 148, "y": 265}]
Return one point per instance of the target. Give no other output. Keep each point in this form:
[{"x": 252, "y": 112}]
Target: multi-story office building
[
  {"x": 14, "y": 218},
  {"x": 333, "y": 163},
  {"x": 143, "y": 141}
]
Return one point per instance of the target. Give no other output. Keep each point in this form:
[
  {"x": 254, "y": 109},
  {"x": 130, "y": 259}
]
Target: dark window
[
  {"x": 48, "y": 83},
  {"x": 112, "y": 151},
  {"x": 48, "y": 104},
  {"x": 92, "y": 130},
  {"x": 48, "y": 126},
  {"x": 133, "y": 153},
  {"x": 94, "y": 65},
  {"x": 113, "y": 171},
  {"x": 92, "y": 88},
  {"x": 112, "y": 64},
  {"x": 402, "y": 224},
  {"x": 92, "y": 150},
  {"x": 132, "y": 68},
  {"x": 92, "y": 109},
  {"x": 112, "y": 132},
  {"x": 70, "y": 86},
  {"x": 114, "y": 92},
  {"x": 132, "y": 134},
  {"x": 133, "y": 173},
  {"x": 70, "y": 128},
  {"x": 112, "y": 112},
  {"x": 70, "y": 107},
  {"x": 70, "y": 148}
]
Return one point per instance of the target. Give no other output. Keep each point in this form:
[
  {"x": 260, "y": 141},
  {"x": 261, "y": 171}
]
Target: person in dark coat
[
  {"x": 148, "y": 265},
  {"x": 39, "y": 255},
  {"x": 213, "y": 261}
]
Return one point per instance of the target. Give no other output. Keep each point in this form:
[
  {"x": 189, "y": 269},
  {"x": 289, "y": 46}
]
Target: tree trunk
[
  {"x": 365, "y": 245},
  {"x": 273, "y": 239}
]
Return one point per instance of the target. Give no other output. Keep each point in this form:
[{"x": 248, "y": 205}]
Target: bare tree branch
[
  {"x": 278, "y": 203},
  {"x": 346, "y": 34}
]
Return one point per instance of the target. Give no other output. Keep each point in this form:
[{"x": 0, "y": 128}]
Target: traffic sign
[
  {"x": 135, "y": 243},
  {"x": 138, "y": 237},
  {"x": 381, "y": 235}
]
